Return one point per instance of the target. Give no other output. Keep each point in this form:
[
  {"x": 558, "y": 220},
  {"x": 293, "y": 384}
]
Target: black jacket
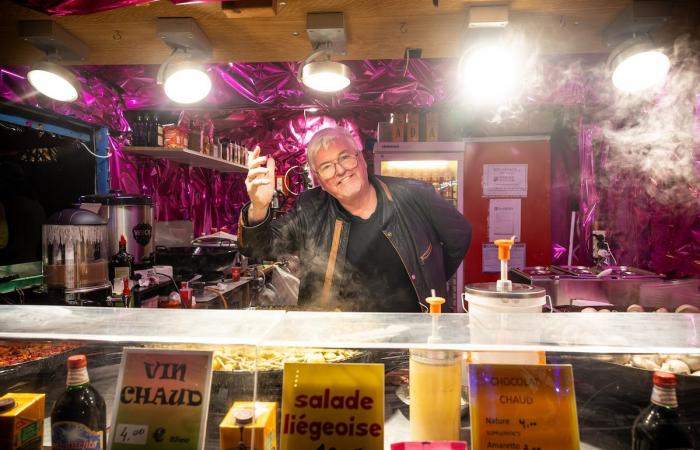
[{"x": 429, "y": 234}]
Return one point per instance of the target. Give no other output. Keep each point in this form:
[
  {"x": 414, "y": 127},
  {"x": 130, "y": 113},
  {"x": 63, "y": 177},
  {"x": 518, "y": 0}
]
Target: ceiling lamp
[
  {"x": 184, "y": 81},
  {"x": 48, "y": 77},
  {"x": 490, "y": 70},
  {"x": 490, "y": 73},
  {"x": 54, "y": 81},
  {"x": 637, "y": 65},
  {"x": 326, "y": 32}
]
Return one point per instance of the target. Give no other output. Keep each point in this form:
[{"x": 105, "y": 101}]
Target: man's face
[{"x": 344, "y": 184}]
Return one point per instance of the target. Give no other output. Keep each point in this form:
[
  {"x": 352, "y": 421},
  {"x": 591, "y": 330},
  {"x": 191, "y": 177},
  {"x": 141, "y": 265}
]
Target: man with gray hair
[{"x": 366, "y": 243}]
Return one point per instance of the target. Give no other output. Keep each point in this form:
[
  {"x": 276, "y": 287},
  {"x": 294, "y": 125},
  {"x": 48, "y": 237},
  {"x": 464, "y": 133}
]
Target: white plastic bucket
[{"x": 490, "y": 324}]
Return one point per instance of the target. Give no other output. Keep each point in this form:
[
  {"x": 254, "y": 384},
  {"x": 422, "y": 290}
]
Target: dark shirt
[{"x": 376, "y": 279}]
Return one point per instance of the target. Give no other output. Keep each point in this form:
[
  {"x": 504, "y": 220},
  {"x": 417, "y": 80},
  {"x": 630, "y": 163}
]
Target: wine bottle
[{"x": 659, "y": 426}]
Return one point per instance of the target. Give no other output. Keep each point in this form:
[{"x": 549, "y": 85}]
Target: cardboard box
[
  {"x": 412, "y": 127},
  {"x": 22, "y": 427},
  {"x": 398, "y": 128},
  {"x": 263, "y": 428},
  {"x": 432, "y": 126},
  {"x": 174, "y": 137}
]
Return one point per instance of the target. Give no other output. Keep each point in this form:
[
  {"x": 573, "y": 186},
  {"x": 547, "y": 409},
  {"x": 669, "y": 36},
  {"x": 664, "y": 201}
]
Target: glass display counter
[{"x": 251, "y": 347}]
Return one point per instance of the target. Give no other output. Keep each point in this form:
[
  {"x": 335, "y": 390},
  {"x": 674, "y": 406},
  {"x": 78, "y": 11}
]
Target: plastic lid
[
  {"x": 74, "y": 216},
  {"x": 664, "y": 379},
  {"x": 518, "y": 291},
  {"x": 77, "y": 362},
  {"x": 243, "y": 416},
  {"x": 117, "y": 197}
]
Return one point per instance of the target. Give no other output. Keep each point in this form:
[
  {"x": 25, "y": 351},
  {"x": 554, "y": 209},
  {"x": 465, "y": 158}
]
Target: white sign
[
  {"x": 491, "y": 263},
  {"x": 504, "y": 218},
  {"x": 504, "y": 180}
]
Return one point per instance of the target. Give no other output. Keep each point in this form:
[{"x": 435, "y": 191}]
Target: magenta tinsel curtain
[{"x": 652, "y": 214}]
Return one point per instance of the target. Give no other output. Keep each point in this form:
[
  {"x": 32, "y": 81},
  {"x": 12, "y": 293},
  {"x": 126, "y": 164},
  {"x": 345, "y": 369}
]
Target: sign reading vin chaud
[
  {"x": 162, "y": 400},
  {"x": 522, "y": 407},
  {"x": 332, "y": 407}
]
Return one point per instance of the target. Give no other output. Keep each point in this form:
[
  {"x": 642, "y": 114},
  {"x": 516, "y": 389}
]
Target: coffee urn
[{"x": 127, "y": 215}]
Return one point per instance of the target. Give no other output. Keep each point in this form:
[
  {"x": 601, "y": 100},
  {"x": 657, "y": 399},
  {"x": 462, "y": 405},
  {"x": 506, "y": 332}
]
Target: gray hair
[{"x": 322, "y": 139}]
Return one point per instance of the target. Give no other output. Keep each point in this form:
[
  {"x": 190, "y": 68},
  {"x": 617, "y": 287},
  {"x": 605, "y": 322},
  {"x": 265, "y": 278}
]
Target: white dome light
[
  {"x": 490, "y": 73},
  {"x": 326, "y": 76},
  {"x": 186, "y": 83},
  {"x": 54, "y": 81},
  {"x": 635, "y": 72}
]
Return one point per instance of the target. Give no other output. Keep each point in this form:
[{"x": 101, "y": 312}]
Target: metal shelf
[{"x": 189, "y": 157}]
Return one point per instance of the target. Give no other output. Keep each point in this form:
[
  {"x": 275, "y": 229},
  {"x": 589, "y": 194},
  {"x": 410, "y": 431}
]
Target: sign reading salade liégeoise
[
  {"x": 332, "y": 406},
  {"x": 162, "y": 400},
  {"x": 522, "y": 407}
]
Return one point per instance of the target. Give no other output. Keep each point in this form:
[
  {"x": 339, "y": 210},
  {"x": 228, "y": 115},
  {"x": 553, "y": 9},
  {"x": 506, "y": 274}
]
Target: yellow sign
[
  {"x": 522, "y": 407},
  {"x": 332, "y": 407}
]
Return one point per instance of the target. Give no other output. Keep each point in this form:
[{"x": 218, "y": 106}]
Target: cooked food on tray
[{"x": 12, "y": 353}]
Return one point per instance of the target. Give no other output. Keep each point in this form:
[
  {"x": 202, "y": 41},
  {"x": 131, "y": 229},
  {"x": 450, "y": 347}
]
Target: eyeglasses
[{"x": 347, "y": 161}]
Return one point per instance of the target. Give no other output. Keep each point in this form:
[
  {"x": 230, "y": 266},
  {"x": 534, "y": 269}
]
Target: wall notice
[
  {"x": 504, "y": 218},
  {"x": 504, "y": 180}
]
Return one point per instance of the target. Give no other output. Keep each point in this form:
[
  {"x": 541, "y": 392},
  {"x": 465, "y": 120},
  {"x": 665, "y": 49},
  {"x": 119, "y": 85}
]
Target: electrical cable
[
  {"x": 217, "y": 292},
  {"x": 177, "y": 288},
  {"x": 109, "y": 154}
]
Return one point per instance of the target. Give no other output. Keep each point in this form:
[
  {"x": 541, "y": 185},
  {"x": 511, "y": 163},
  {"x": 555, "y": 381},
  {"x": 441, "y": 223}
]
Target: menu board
[
  {"x": 162, "y": 400},
  {"x": 527, "y": 407},
  {"x": 332, "y": 406}
]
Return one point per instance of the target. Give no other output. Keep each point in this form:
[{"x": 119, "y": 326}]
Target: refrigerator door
[{"x": 436, "y": 163}]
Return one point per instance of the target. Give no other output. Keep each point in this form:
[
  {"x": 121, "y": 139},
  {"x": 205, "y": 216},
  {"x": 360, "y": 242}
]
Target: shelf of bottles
[
  {"x": 442, "y": 174},
  {"x": 194, "y": 146}
]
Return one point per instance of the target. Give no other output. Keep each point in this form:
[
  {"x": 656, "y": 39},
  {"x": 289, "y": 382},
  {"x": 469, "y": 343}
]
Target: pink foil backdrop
[{"x": 265, "y": 104}]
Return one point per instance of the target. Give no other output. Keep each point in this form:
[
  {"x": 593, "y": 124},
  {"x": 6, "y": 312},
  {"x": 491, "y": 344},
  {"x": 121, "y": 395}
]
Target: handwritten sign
[
  {"x": 162, "y": 400},
  {"x": 333, "y": 407},
  {"x": 522, "y": 406}
]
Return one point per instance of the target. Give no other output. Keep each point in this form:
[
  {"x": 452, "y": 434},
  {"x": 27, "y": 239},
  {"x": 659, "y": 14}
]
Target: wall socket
[{"x": 598, "y": 243}]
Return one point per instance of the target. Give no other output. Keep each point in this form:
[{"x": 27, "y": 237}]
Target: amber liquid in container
[{"x": 435, "y": 395}]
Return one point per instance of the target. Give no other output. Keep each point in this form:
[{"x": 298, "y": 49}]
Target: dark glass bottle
[
  {"x": 658, "y": 426},
  {"x": 122, "y": 263},
  {"x": 146, "y": 127},
  {"x": 155, "y": 132},
  {"x": 137, "y": 132},
  {"x": 79, "y": 418}
]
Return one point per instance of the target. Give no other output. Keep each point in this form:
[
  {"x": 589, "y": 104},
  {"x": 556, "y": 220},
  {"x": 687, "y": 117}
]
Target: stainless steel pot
[{"x": 131, "y": 216}]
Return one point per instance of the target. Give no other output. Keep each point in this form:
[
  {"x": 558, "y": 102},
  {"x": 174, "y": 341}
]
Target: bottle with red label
[
  {"x": 79, "y": 418},
  {"x": 658, "y": 426}
]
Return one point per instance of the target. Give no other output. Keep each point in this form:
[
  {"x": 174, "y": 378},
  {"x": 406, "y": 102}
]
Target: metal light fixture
[
  {"x": 327, "y": 34},
  {"x": 54, "y": 81},
  {"x": 184, "y": 81},
  {"x": 48, "y": 77},
  {"x": 636, "y": 63}
]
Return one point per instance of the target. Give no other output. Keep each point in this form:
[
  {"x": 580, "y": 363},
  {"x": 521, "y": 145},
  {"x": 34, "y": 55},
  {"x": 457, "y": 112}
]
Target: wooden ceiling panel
[{"x": 376, "y": 29}]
